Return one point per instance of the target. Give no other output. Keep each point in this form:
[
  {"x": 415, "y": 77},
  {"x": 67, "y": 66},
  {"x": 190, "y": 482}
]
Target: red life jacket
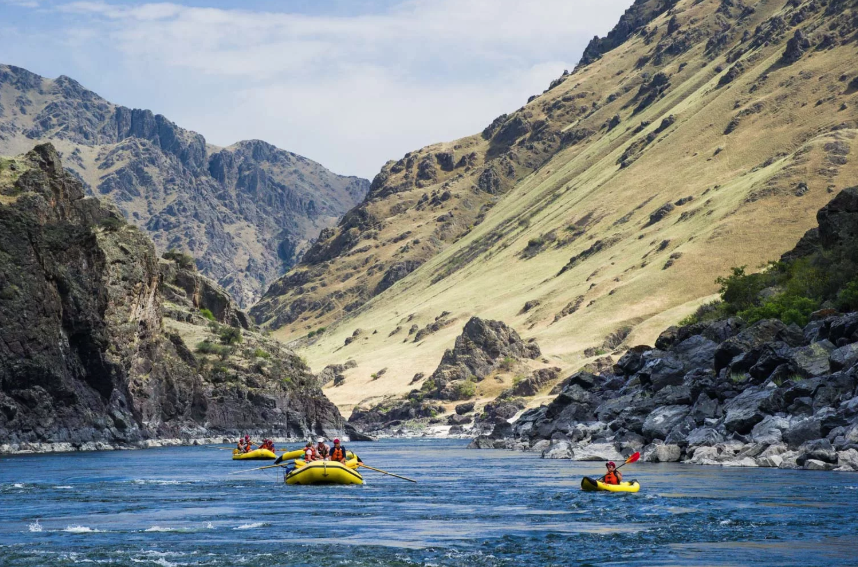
[
  {"x": 338, "y": 453},
  {"x": 611, "y": 478}
]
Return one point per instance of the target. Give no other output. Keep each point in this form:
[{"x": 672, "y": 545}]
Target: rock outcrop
[
  {"x": 87, "y": 354},
  {"x": 481, "y": 349}
]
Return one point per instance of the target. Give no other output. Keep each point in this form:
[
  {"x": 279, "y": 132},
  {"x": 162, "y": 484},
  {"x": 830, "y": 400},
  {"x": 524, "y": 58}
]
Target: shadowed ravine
[{"x": 179, "y": 506}]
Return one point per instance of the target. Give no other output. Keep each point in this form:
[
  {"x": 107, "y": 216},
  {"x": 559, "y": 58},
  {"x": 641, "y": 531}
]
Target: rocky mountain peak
[{"x": 247, "y": 212}]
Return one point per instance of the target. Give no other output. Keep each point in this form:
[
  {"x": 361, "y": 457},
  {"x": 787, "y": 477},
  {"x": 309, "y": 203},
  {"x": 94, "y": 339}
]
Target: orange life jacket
[
  {"x": 611, "y": 478},
  {"x": 338, "y": 453},
  {"x": 312, "y": 454}
]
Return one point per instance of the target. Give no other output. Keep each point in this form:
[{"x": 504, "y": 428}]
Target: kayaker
[
  {"x": 322, "y": 448},
  {"x": 613, "y": 476},
  {"x": 338, "y": 453}
]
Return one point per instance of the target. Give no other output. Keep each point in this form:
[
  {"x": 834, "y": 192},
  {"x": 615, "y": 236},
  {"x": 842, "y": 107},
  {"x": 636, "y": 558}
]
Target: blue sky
[{"x": 348, "y": 83}]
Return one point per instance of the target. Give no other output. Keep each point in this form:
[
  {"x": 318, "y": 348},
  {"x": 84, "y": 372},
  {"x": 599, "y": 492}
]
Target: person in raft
[
  {"x": 310, "y": 453},
  {"x": 613, "y": 476},
  {"x": 338, "y": 453},
  {"x": 240, "y": 445},
  {"x": 322, "y": 448}
]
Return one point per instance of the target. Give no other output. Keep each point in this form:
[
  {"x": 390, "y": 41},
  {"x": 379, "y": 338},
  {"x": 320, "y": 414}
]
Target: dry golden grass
[{"x": 744, "y": 211}]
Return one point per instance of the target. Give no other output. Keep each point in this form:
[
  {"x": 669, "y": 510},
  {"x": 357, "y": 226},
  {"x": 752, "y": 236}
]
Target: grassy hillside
[{"x": 707, "y": 139}]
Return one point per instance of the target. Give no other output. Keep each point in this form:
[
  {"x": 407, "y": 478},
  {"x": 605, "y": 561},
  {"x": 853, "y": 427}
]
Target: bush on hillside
[{"x": 185, "y": 261}]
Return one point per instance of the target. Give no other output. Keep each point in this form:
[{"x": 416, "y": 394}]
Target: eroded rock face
[
  {"x": 482, "y": 345},
  {"x": 84, "y": 355}
]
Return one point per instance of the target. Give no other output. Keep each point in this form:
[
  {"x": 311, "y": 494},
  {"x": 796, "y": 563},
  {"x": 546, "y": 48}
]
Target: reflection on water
[{"x": 180, "y": 506}]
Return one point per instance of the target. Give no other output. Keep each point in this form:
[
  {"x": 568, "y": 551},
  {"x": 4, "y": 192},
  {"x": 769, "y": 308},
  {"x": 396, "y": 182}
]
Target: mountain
[
  {"x": 97, "y": 332},
  {"x": 697, "y": 136},
  {"x": 246, "y": 212}
]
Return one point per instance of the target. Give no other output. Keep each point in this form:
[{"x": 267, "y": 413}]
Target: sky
[{"x": 350, "y": 84}]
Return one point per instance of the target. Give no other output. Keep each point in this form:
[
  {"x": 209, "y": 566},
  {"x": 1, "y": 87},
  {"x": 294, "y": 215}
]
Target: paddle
[
  {"x": 635, "y": 456},
  {"x": 260, "y": 468},
  {"x": 385, "y": 472}
]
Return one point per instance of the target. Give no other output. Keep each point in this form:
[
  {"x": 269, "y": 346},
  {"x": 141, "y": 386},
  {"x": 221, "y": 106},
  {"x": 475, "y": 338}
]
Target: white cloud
[{"x": 350, "y": 92}]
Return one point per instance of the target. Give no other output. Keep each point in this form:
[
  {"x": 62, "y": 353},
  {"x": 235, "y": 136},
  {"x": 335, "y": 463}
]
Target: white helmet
[{"x": 320, "y": 440}]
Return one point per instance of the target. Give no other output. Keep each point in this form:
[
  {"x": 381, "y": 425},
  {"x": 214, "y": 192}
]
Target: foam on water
[
  {"x": 35, "y": 526},
  {"x": 81, "y": 530},
  {"x": 252, "y": 526}
]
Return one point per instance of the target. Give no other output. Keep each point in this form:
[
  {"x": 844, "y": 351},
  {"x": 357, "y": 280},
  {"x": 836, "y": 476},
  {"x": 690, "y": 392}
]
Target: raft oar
[
  {"x": 260, "y": 468},
  {"x": 635, "y": 456},
  {"x": 385, "y": 472}
]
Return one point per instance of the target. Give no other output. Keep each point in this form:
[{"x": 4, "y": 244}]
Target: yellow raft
[
  {"x": 325, "y": 472},
  {"x": 591, "y": 485},
  {"x": 257, "y": 455}
]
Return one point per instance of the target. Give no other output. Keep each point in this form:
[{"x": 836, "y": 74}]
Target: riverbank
[{"x": 44, "y": 448}]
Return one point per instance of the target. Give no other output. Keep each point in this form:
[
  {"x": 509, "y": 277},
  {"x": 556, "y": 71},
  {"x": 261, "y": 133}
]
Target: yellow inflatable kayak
[
  {"x": 325, "y": 472},
  {"x": 257, "y": 455},
  {"x": 592, "y": 485}
]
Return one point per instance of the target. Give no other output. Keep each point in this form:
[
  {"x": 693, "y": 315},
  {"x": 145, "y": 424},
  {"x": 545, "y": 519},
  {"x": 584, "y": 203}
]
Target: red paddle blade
[{"x": 633, "y": 458}]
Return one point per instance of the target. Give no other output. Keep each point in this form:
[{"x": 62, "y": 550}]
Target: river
[{"x": 180, "y": 506}]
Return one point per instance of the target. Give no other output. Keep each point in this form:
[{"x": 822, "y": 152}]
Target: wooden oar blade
[{"x": 633, "y": 458}]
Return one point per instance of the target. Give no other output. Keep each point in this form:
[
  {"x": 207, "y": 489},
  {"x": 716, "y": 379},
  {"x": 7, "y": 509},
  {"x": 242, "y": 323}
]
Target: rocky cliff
[
  {"x": 87, "y": 356},
  {"x": 246, "y": 212},
  {"x": 726, "y": 391}
]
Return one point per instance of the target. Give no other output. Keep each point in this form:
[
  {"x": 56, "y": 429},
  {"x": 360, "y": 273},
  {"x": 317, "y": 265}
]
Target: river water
[{"x": 179, "y": 506}]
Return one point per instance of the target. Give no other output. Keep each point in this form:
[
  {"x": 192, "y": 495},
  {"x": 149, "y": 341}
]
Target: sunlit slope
[{"x": 758, "y": 155}]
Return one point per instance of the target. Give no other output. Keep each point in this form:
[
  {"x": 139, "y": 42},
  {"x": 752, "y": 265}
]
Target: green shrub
[
  {"x": 465, "y": 390},
  {"x": 111, "y": 224},
  {"x": 740, "y": 290},
  {"x": 259, "y": 353},
  {"x": 507, "y": 363},
  {"x": 230, "y": 335},
  {"x": 847, "y": 298},
  {"x": 185, "y": 261},
  {"x": 311, "y": 334},
  {"x": 208, "y": 314},
  {"x": 786, "y": 307},
  {"x": 208, "y": 347}
]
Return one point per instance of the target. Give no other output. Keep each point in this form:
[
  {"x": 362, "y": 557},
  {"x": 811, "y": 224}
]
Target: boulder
[
  {"x": 749, "y": 408},
  {"x": 819, "y": 450},
  {"x": 663, "y": 371},
  {"x": 848, "y": 460},
  {"x": 773, "y": 461},
  {"x": 704, "y": 436},
  {"x": 843, "y": 357},
  {"x": 559, "y": 449},
  {"x": 770, "y": 430},
  {"x": 771, "y": 355},
  {"x": 673, "y": 395},
  {"x": 661, "y": 421},
  {"x": 695, "y": 352},
  {"x": 755, "y": 336},
  {"x": 597, "y": 452},
  {"x": 659, "y": 452},
  {"x": 802, "y": 431},
  {"x": 704, "y": 408},
  {"x": 814, "y": 465},
  {"x": 462, "y": 409},
  {"x": 633, "y": 360},
  {"x": 812, "y": 360}
]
